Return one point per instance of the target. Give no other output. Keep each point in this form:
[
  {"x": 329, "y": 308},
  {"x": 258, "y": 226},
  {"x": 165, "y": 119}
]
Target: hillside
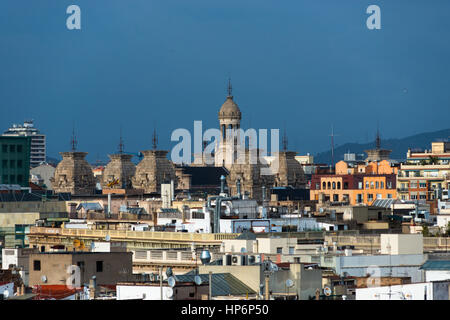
[{"x": 399, "y": 147}]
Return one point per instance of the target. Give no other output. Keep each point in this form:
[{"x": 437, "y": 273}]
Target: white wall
[
  {"x": 137, "y": 292},
  {"x": 437, "y": 275},
  {"x": 415, "y": 291},
  {"x": 8, "y": 259},
  {"x": 401, "y": 244}
]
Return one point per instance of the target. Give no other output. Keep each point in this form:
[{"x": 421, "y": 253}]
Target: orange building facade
[{"x": 360, "y": 184}]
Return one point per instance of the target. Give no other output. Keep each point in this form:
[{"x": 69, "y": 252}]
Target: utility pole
[
  {"x": 210, "y": 285},
  {"x": 160, "y": 282}
]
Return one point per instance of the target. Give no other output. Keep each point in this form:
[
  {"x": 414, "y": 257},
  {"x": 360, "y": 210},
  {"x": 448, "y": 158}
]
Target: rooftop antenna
[
  {"x": 332, "y": 145},
  {"x": 154, "y": 139},
  {"x": 378, "y": 139},
  {"x": 73, "y": 141},
  {"x": 285, "y": 140},
  {"x": 121, "y": 145},
  {"x": 230, "y": 88}
]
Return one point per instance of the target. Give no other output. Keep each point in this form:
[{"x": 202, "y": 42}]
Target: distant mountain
[{"x": 399, "y": 147}]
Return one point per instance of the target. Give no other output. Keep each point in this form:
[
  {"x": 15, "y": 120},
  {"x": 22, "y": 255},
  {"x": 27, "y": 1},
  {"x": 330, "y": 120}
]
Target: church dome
[{"x": 229, "y": 110}]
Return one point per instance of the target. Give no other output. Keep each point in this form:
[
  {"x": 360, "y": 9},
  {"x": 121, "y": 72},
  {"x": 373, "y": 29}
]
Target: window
[
  {"x": 37, "y": 265},
  {"x": 12, "y": 163},
  {"x": 12, "y": 178},
  {"x": 372, "y": 185},
  {"x": 19, "y": 164},
  {"x": 99, "y": 266},
  {"x": 291, "y": 250},
  {"x": 19, "y": 178},
  {"x": 360, "y": 185},
  {"x": 324, "y": 185},
  {"x": 12, "y": 148},
  {"x": 191, "y": 294},
  {"x": 345, "y": 185},
  {"x": 279, "y": 250},
  {"x": 80, "y": 265},
  {"x": 5, "y": 164},
  {"x": 382, "y": 184},
  {"x": 329, "y": 185},
  {"x": 339, "y": 185},
  {"x": 5, "y": 179},
  {"x": 422, "y": 185},
  {"x": 334, "y": 185},
  {"x": 367, "y": 184},
  {"x": 377, "y": 185},
  {"x": 4, "y": 148},
  {"x": 19, "y": 148},
  {"x": 317, "y": 186}
]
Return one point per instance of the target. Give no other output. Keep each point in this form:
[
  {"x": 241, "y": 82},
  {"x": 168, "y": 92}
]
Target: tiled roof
[
  {"x": 223, "y": 284},
  {"x": 57, "y": 292},
  {"x": 436, "y": 265}
]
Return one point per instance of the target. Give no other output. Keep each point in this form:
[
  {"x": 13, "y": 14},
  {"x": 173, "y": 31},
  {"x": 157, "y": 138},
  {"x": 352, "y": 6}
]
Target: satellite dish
[
  {"x": 243, "y": 250},
  {"x": 6, "y": 294},
  {"x": 169, "y": 293},
  {"x": 327, "y": 291},
  {"x": 198, "y": 280},
  {"x": 44, "y": 278},
  {"x": 169, "y": 272},
  {"x": 108, "y": 237},
  {"x": 171, "y": 281},
  {"x": 289, "y": 283}
]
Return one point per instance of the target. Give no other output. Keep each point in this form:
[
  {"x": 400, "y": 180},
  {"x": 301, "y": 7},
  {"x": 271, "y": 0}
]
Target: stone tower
[
  {"x": 74, "y": 174},
  {"x": 378, "y": 153},
  {"x": 119, "y": 169},
  {"x": 153, "y": 170},
  {"x": 229, "y": 118},
  {"x": 251, "y": 176},
  {"x": 289, "y": 171}
]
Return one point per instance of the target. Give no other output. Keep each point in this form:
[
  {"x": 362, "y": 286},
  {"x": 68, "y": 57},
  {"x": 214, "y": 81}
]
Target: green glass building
[{"x": 15, "y": 160}]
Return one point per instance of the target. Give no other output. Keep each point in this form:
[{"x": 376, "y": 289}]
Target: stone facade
[
  {"x": 250, "y": 176},
  {"x": 73, "y": 174},
  {"x": 289, "y": 172},
  {"x": 153, "y": 170},
  {"x": 229, "y": 118},
  {"x": 120, "y": 168}
]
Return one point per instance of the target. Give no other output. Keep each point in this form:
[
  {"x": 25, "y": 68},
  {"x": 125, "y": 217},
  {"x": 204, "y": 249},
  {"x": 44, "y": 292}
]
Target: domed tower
[
  {"x": 119, "y": 171},
  {"x": 229, "y": 118},
  {"x": 73, "y": 174},
  {"x": 154, "y": 170}
]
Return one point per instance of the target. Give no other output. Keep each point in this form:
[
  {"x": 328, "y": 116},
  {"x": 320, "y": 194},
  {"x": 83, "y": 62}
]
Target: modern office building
[
  {"x": 38, "y": 143},
  {"x": 15, "y": 160},
  {"x": 426, "y": 174}
]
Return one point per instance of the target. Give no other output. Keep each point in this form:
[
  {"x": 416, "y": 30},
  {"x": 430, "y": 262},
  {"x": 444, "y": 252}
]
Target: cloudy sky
[{"x": 300, "y": 65}]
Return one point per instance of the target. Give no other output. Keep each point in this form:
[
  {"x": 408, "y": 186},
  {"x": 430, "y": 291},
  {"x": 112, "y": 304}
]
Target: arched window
[
  {"x": 324, "y": 185},
  {"x": 339, "y": 185},
  {"x": 334, "y": 185},
  {"x": 329, "y": 185}
]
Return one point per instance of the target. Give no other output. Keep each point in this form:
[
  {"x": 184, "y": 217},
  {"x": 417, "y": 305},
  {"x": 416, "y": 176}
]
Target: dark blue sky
[{"x": 137, "y": 64}]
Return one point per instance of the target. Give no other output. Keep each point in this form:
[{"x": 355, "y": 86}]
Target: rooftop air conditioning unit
[{"x": 235, "y": 261}]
